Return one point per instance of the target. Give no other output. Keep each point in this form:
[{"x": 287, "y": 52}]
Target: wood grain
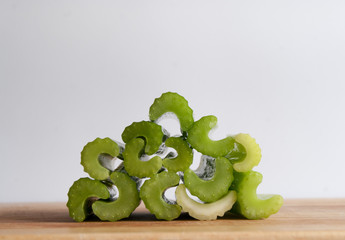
[{"x": 298, "y": 219}]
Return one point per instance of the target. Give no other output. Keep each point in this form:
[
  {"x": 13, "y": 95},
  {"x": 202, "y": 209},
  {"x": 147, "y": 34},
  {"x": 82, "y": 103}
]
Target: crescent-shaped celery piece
[
  {"x": 199, "y": 139},
  {"x": 184, "y": 156},
  {"x": 127, "y": 201},
  {"x": 82, "y": 194},
  {"x": 253, "y": 153},
  {"x": 252, "y": 205},
  {"x": 151, "y": 132},
  {"x": 152, "y": 192},
  {"x": 136, "y": 167},
  {"x": 91, "y": 153},
  {"x": 210, "y": 190},
  {"x": 175, "y": 103},
  {"x": 206, "y": 211}
]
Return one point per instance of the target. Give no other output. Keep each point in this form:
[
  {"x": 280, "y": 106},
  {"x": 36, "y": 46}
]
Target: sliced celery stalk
[
  {"x": 127, "y": 201},
  {"x": 184, "y": 155},
  {"x": 224, "y": 176},
  {"x": 249, "y": 204},
  {"x": 132, "y": 163},
  {"x": 199, "y": 139},
  {"x": 91, "y": 154},
  {"x": 210, "y": 190},
  {"x": 207, "y": 211},
  {"x": 151, "y": 132},
  {"x": 81, "y": 196},
  {"x": 152, "y": 195},
  {"x": 175, "y": 103},
  {"x": 253, "y": 153}
]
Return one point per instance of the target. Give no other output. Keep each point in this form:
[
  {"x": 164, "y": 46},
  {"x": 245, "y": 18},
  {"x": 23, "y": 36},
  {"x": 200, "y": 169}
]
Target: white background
[{"x": 71, "y": 71}]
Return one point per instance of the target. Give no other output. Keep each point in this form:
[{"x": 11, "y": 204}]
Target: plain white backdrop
[{"x": 71, "y": 71}]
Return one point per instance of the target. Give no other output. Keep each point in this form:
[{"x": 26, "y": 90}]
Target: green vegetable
[
  {"x": 253, "y": 153},
  {"x": 82, "y": 194},
  {"x": 249, "y": 204},
  {"x": 207, "y": 211},
  {"x": 198, "y": 138},
  {"x": 152, "y": 195},
  {"x": 175, "y": 103},
  {"x": 209, "y": 188},
  {"x": 91, "y": 154},
  {"x": 149, "y": 131},
  {"x": 150, "y": 156},
  {"x": 136, "y": 167},
  {"x": 237, "y": 154},
  {"x": 184, "y": 155},
  {"x": 127, "y": 201}
]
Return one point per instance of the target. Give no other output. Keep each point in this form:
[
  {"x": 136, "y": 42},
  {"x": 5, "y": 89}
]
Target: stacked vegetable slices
[{"x": 150, "y": 162}]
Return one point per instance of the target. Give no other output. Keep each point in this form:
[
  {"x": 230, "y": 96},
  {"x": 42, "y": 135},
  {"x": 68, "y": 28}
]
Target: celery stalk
[
  {"x": 250, "y": 204},
  {"x": 175, "y": 103},
  {"x": 199, "y": 139},
  {"x": 212, "y": 189}
]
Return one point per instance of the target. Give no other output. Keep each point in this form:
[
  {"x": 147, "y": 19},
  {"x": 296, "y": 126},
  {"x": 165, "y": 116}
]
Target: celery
[
  {"x": 198, "y": 138},
  {"x": 175, "y": 103},
  {"x": 136, "y": 167},
  {"x": 224, "y": 180},
  {"x": 211, "y": 188},
  {"x": 237, "y": 154},
  {"x": 149, "y": 131},
  {"x": 82, "y": 194},
  {"x": 253, "y": 153},
  {"x": 90, "y": 157},
  {"x": 206, "y": 211},
  {"x": 184, "y": 156},
  {"x": 252, "y": 205},
  {"x": 152, "y": 195},
  {"x": 127, "y": 201}
]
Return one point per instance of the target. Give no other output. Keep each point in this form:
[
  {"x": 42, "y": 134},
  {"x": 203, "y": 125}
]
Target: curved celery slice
[
  {"x": 249, "y": 204},
  {"x": 132, "y": 163},
  {"x": 152, "y": 195},
  {"x": 198, "y": 138},
  {"x": 210, "y": 190},
  {"x": 184, "y": 155},
  {"x": 127, "y": 201},
  {"x": 207, "y": 211},
  {"x": 253, "y": 153},
  {"x": 81, "y": 195},
  {"x": 151, "y": 132},
  {"x": 175, "y": 103},
  {"x": 91, "y": 154}
]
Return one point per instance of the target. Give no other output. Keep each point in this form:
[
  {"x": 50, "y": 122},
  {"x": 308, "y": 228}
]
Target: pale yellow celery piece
[
  {"x": 206, "y": 211},
  {"x": 253, "y": 156}
]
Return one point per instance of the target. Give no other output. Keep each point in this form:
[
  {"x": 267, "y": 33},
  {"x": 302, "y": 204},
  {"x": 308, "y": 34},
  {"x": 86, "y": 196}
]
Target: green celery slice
[
  {"x": 184, "y": 155},
  {"x": 175, "y": 103},
  {"x": 152, "y": 195},
  {"x": 206, "y": 211},
  {"x": 210, "y": 190},
  {"x": 249, "y": 204},
  {"x": 253, "y": 153},
  {"x": 92, "y": 152},
  {"x": 136, "y": 167},
  {"x": 199, "y": 139},
  {"x": 127, "y": 201},
  {"x": 151, "y": 132},
  {"x": 82, "y": 194}
]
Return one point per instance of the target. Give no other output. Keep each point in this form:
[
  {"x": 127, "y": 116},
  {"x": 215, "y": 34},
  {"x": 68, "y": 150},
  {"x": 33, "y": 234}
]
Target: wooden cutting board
[{"x": 298, "y": 219}]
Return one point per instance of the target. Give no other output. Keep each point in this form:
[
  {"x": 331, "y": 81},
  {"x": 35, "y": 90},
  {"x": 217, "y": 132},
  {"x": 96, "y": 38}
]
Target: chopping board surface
[{"x": 297, "y": 219}]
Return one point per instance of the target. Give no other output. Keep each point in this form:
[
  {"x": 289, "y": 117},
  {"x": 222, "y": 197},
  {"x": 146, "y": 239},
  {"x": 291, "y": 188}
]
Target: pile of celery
[{"x": 151, "y": 161}]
